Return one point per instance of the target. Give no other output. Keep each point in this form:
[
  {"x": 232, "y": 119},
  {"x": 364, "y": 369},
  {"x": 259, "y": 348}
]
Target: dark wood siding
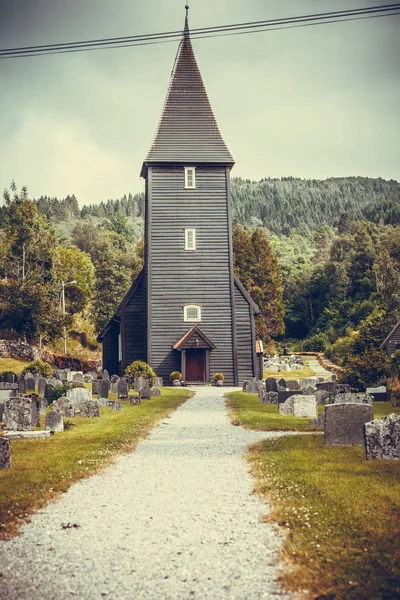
[
  {"x": 110, "y": 350},
  {"x": 178, "y": 277},
  {"x": 243, "y": 337},
  {"x": 134, "y": 324}
]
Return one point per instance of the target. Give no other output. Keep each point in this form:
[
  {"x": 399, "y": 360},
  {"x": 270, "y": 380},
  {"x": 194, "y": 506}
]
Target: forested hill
[
  {"x": 277, "y": 204},
  {"x": 282, "y": 204}
]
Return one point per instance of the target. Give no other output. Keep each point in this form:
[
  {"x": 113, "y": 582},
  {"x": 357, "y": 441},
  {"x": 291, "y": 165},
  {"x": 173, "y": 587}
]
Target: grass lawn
[
  {"x": 247, "y": 410},
  {"x": 13, "y": 364},
  {"x": 43, "y": 468},
  {"x": 307, "y": 371},
  {"x": 341, "y": 513}
]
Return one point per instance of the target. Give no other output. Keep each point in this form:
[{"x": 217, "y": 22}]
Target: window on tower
[
  {"x": 190, "y": 239},
  {"x": 190, "y": 177},
  {"x": 192, "y": 312}
]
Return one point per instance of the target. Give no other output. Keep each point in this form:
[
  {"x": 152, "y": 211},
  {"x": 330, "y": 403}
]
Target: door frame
[{"x": 183, "y": 365}]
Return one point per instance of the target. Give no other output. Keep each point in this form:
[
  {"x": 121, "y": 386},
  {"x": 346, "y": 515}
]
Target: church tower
[{"x": 187, "y": 311}]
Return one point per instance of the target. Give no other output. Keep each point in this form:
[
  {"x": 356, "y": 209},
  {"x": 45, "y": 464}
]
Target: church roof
[{"x": 187, "y": 131}]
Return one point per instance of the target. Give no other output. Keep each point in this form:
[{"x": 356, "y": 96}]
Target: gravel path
[{"x": 175, "y": 519}]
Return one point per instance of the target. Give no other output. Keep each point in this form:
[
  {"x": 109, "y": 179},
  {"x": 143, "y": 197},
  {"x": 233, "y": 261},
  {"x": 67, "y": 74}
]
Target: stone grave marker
[
  {"x": 22, "y": 385},
  {"x": 92, "y": 375},
  {"x": 309, "y": 390},
  {"x": 78, "y": 396},
  {"x": 293, "y": 385},
  {"x": 104, "y": 387},
  {"x": 41, "y": 386},
  {"x": 282, "y": 383},
  {"x": 53, "y": 381},
  {"x": 155, "y": 391},
  {"x": 5, "y": 453},
  {"x": 354, "y": 399},
  {"x": 114, "y": 387},
  {"x": 145, "y": 393},
  {"x": 343, "y": 388},
  {"x": 48, "y": 391},
  {"x": 36, "y": 408},
  {"x": 327, "y": 386},
  {"x": 78, "y": 377},
  {"x": 308, "y": 381},
  {"x": 271, "y": 384},
  {"x": 319, "y": 422},
  {"x": 134, "y": 400},
  {"x": 252, "y": 386},
  {"x": 376, "y": 390},
  {"x": 286, "y": 408},
  {"x": 19, "y": 414},
  {"x": 117, "y": 406},
  {"x": 323, "y": 397},
  {"x": 103, "y": 402},
  {"x": 269, "y": 398},
  {"x": 304, "y": 406},
  {"x": 95, "y": 386},
  {"x": 382, "y": 438},
  {"x": 90, "y": 409},
  {"x": 122, "y": 387},
  {"x": 30, "y": 384},
  {"x": 105, "y": 375},
  {"x": 158, "y": 382},
  {"x": 65, "y": 407},
  {"x": 54, "y": 422},
  {"x": 283, "y": 396},
  {"x": 344, "y": 423}
]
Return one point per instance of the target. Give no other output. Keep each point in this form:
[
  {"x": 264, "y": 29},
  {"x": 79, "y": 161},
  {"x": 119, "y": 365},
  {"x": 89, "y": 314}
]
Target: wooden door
[{"x": 195, "y": 364}]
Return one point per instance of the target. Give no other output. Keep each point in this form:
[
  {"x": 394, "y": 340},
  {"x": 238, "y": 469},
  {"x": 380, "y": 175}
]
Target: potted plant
[
  {"x": 218, "y": 379},
  {"x": 176, "y": 377}
]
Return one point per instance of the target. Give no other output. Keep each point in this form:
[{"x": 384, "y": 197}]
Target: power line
[{"x": 205, "y": 32}]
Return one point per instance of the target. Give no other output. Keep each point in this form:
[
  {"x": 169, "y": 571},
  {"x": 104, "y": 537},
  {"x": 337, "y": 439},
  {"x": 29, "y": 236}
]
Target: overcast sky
[{"x": 309, "y": 102}]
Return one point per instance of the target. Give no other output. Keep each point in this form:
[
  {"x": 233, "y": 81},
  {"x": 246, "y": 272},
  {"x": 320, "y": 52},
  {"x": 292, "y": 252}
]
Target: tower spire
[{"x": 186, "y": 30}]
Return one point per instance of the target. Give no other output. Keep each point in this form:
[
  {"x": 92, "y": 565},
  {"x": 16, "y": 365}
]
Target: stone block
[
  {"x": 269, "y": 398},
  {"x": 283, "y": 396},
  {"x": 90, "y": 409},
  {"x": 286, "y": 408},
  {"x": 323, "y": 397},
  {"x": 145, "y": 393},
  {"x": 5, "y": 453},
  {"x": 27, "y": 435},
  {"x": 41, "y": 386},
  {"x": 354, "y": 399},
  {"x": 123, "y": 387},
  {"x": 104, "y": 388},
  {"x": 65, "y": 407},
  {"x": 382, "y": 438},
  {"x": 327, "y": 386},
  {"x": 344, "y": 423},
  {"x": 134, "y": 400},
  {"x": 77, "y": 396},
  {"x": 271, "y": 384},
  {"x": 293, "y": 385},
  {"x": 19, "y": 414},
  {"x": 54, "y": 422},
  {"x": 282, "y": 383},
  {"x": 155, "y": 391},
  {"x": 305, "y": 406},
  {"x": 376, "y": 390},
  {"x": 319, "y": 422},
  {"x": 309, "y": 390}
]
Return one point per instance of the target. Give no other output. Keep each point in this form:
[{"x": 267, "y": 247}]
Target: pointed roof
[
  {"x": 193, "y": 333},
  {"x": 187, "y": 132}
]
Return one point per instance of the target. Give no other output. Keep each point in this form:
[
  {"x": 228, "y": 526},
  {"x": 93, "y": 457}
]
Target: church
[{"x": 187, "y": 311}]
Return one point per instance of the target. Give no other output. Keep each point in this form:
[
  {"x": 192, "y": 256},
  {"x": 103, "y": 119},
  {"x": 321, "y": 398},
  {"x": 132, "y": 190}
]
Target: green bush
[
  {"x": 218, "y": 377},
  {"x": 395, "y": 363},
  {"x": 4, "y": 374},
  {"x": 139, "y": 368},
  {"x": 39, "y": 366},
  {"x": 316, "y": 343},
  {"x": 371, "y": 368},
  {"x": 175, "y": 376}
]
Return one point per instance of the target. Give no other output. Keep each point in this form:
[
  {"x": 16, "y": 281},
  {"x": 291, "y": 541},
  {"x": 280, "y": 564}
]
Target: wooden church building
[{"x": 186, "y": 311}]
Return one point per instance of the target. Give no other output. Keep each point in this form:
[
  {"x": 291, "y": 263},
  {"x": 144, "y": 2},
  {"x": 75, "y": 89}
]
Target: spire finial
[{"x": 186, "y": 18}]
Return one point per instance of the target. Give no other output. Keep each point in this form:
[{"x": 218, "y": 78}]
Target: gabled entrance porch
[{"x": 195, "y": 348}]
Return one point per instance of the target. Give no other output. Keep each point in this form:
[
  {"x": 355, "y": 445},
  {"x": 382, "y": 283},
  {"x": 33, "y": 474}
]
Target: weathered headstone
[
  {"x": 269, "y": 398},
  {"x": 145, "y": 393},
  {"x": 48, "y": 391},
  {"x": 319, "y": 422},
  {"x": 343, "y": 388},
  {"x": 78, "y": 377},
  {"x": 283, "y": 396},
  {"x": 323, "y": 397},
  {"x": 117, "y": 406},
  {"x": 54, "y": 422},
  {"x": 19, "y": 414},
  {"x": 78, "y": 396},
  {"x": 22, "y": 385},
  {"x": 376, "y": 390},
  {"x": 155, "y": 391},
  {"x": 92, "y": 375},
  {"x": 354, "y": 399},
  {"x": 36, "y": 409},
  {"x": 304, "y": 406},
  {"x": 90, "y": 409},
  {"x": 122, "y": 387},
  {"x": 286, "y": 408},
  {"x": 5, "y": 453},
  {"x": 382, "y": 438},
  {"x": 65, "y": 407},
  {"x": 41, "y": 386},
  {"x": 271, "y": 384},
  {"x": 344, "y": 423},
  {"x": 104, "y": 387},
  {"x": 252, "y": 386},
  {"x": 114, "y": 387},
  {"x": 103, "y": 402},
  {"x": 95, "y": 386},
  {"x": 158, "y": 382},
  {"x": 282, "y": 383},
  {"x": 105, "y": 375},
  {"x": 293, "y": 385},
  {"x": 327, "y": 386},
  {"x": 308, "y": 381},
  {"x": 309, "y": 390},
  {"x": 134, "y": 400}
]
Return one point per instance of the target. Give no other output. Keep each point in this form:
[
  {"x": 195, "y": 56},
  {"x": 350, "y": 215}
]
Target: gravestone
[
  {"x": 22, "y": 385},
  {"x": 103, "y": 402},
  {"x": 376, "y": 390},
  {"x": 78, "y": 396},
  {"x": 319, "y": 422},
  {"x": 122, "y": 387},
  {"x": 286, "y": 408},
  {"x": 158, "y": 382},
  {"x": 95, "y": 387},
  {"x": 104, "y": 387},
  {"x": 43, "y": 406},
  {"x": 309, "y": 390},
  {"x": 105, "y": 375},
  {"x": 283, "y": 396},
  {"x": 382, "y": 438},
  {"x": 293, "y": 385},
  {"x": 41, "y": 386},
  {"x": 78, "y": 377},
  {"x": 28, "y": 375},
  {"x": 282, "y": 383},
  {"x": 5, "y": 453},
  {"x": 113, "y": 378},
  {"x": 273, "y": 368},
  {"x": 19, "y": 414},
  {"x": 155, "y": 391},
  {"x": 271, "y": 384},
  {"x": 53, "y": 381},
  {"x": 252, "y": 386},
  {"x": 305, "y": 406},
  {"x": 54, "y": 422},
  {"x": 354, "y": 399},
  {"x": 65, "y": 407},
  {"x": 10, "y": 378},
  {"x": 323, "y": 397},
  {"x": 269, "y": 398},
  {"x": 344, "y": 423},
  {"x": 92, "y": 375},
  {"x": 309, "y": 381},
  {"x": 117, "y": 406},
  {"x": 134, "y": 400},
  {"x": 327, "y": 386},
  {"x": 114, "y": 387},
  {"x": 48, "y": 392},
  {"x": 343, "y": 388},
  {"x": 90, "y": 409},
  {"x": 145, "y": 393},
  {"x": 36, "y": 409}
]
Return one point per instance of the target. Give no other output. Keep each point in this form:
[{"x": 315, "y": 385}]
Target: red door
[{"x": 195, "y": 365}]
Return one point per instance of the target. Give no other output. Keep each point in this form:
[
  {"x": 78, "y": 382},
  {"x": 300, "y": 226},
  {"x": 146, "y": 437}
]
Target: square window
[
  {"x": 192, "y": 313},
  {"x": 190, "y": 177},
  {"x": 190, "y": 239}
]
